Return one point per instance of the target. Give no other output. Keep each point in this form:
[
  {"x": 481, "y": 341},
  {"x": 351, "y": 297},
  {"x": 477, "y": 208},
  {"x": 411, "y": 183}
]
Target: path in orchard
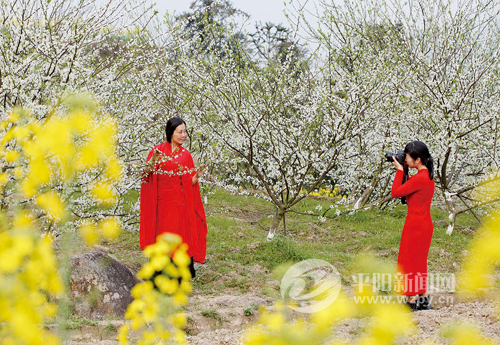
[{"x": 222, "y": 319}]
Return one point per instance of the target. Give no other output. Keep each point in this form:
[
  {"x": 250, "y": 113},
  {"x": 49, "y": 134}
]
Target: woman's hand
[
  {"x": 396, "y": 163},
  {"x": 156, "y": 156},
  {"x": 199, "y": 173},
  {"x": 154, "y": 159},
  {"x": 201, "y": 170}
]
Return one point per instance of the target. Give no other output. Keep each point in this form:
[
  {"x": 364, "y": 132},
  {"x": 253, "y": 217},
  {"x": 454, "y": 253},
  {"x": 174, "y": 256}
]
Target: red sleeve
[
  {"x": 147, "y": 228},
  {"x": 400, "y": 190},
  {"x": 193, "y": 198}
]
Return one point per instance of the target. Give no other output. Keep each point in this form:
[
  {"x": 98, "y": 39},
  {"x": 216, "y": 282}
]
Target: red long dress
[
  {"x": 417, "y": 232},
  {"x": 170, "y": 202}
]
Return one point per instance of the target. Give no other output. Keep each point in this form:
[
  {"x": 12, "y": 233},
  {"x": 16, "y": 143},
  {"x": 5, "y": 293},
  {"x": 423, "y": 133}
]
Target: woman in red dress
[
  {"x": 170, "y": 195},
  {"x": 417, "y": 231}
]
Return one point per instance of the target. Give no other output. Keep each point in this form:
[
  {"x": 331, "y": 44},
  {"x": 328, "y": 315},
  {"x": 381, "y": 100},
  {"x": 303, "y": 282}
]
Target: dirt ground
[{"x": 222, "y": 320}]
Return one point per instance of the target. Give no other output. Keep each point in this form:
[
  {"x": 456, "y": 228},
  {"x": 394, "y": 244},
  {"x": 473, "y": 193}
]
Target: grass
[
  {"x": 250, "y": 310},
  {"x": 239, "y": 259},
  {"x": 110, "y": 328},
  {"x": 127, "y": 249},
  {"x": 74, "y": 322},
  {"x": 237, "y": 242},
  {"x": 212, "y": 313}
]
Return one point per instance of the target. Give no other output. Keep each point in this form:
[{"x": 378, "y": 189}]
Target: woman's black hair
[
  {"x": 172, "y": 124},
  {"x": 417, "y": 149}
]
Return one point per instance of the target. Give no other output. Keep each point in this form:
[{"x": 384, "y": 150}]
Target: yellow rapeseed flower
[
  {"x": 89, "y": 234},
  {"x": 20, "y": 133},
  {"x": 340, "y": 309},
  {"x": 166, "y": 285},
  {"x": 110, "y": 228},
  {"x": 104, "y": 193},
  {"x": 123, "y": 334},
  {"x": 180, "y": 298},
  {"x": 114, "y": 169},
  {"x": 28, "y": 267},
  {"x": 179, "y": 320},
  {"x": 80, "y": 121},
  {"x": 56, "y": 139},
  {"x": 4, "y": 178},
  {"x": 18, "y": 172},
  {"x": 23, "y": 220},
  {"x": 159, "y": 262},
  {"x": 186, "y": 287},
  {"x": 145, "y": 272},
  {"x": 3, "y": 125},
  {"x": 388, "y": 322},
  {"x": 52, "y": 204},
  {"x": 28, "y": 188},
  {"x": 11, "y": 156},
  {"x": 172, "y": 270},
  {"x": 180, "y": 337},
  {"x": 160, "y": 248},
  {"x": 476, "y": 275},
  {"x": 159, "y": 301},
  {"x": 13, "y": 116},
  {"x": 466, "y": 334},
  {"x": 181, "y": 258}
]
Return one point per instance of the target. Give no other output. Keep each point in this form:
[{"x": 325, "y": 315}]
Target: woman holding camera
[
  {"x": 417, "y": 231},
  {"x": 170, "y": 195}
]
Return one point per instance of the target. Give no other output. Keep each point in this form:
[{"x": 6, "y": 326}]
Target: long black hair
[
  {"x": 417, "y": 149},
  {"x": 172, "y": 124}
]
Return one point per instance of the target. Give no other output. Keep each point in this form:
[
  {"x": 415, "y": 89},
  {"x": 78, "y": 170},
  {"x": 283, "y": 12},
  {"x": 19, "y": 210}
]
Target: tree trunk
[
  {"x": 363, "y": 199},
  {"x": 452, "y": 212},
  {"x": 275, "y": 224},
  {"x": 361, "y": 202},
  {"x": 385, "y": 201}
]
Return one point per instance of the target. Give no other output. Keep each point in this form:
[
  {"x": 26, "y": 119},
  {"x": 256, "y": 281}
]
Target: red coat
[
  {"x": 170, "y": 203},
  {"x": 417, "y": 231}
]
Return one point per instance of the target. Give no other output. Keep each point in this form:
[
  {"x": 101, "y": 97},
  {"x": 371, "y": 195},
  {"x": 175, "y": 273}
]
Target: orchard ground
[{"x": 243, "y": 270}]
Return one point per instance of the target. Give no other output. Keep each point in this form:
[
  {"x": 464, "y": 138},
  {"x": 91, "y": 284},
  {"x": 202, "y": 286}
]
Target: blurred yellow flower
[
  {"x": 145, "y": 272},
  {"x": 114, "y": 169},
  {"x": 122, "y": 334},
  {"x": 164, "y": 290},
  {"x": 11, "y": 156},
  {"x": 179, "y": 320},
  {"x": 465, "y": 334},
  {"x": 104, "y": 192},
  {"x": 80, "y": 120},
  {"x": 23, "y": 219},
  {"x": 52, "y": 204},
  {"x": 3, "y": 125},
  {"x": 158, "y": 262},
  {"x": 4, "y": 178},
  {"x": 18, "y": 172},
  {"x": 28, "y": 267},
  {"x": 110, "y": 228},
  {"x": 89, "y": 234}
]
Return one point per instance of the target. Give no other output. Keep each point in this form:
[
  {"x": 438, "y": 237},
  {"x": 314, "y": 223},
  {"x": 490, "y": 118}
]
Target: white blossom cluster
[{"x": 382, "y": 74}]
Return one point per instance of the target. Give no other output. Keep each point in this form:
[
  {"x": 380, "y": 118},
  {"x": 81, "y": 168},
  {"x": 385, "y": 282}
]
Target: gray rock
[{"x": 100, "y": 285}]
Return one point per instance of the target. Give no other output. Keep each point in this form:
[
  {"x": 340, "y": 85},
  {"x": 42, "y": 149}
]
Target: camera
[{"x": 400, "y": 156}]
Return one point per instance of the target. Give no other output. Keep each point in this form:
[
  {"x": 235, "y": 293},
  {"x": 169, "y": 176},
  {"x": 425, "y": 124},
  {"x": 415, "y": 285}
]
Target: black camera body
[{"x": 400, "y": 156}]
